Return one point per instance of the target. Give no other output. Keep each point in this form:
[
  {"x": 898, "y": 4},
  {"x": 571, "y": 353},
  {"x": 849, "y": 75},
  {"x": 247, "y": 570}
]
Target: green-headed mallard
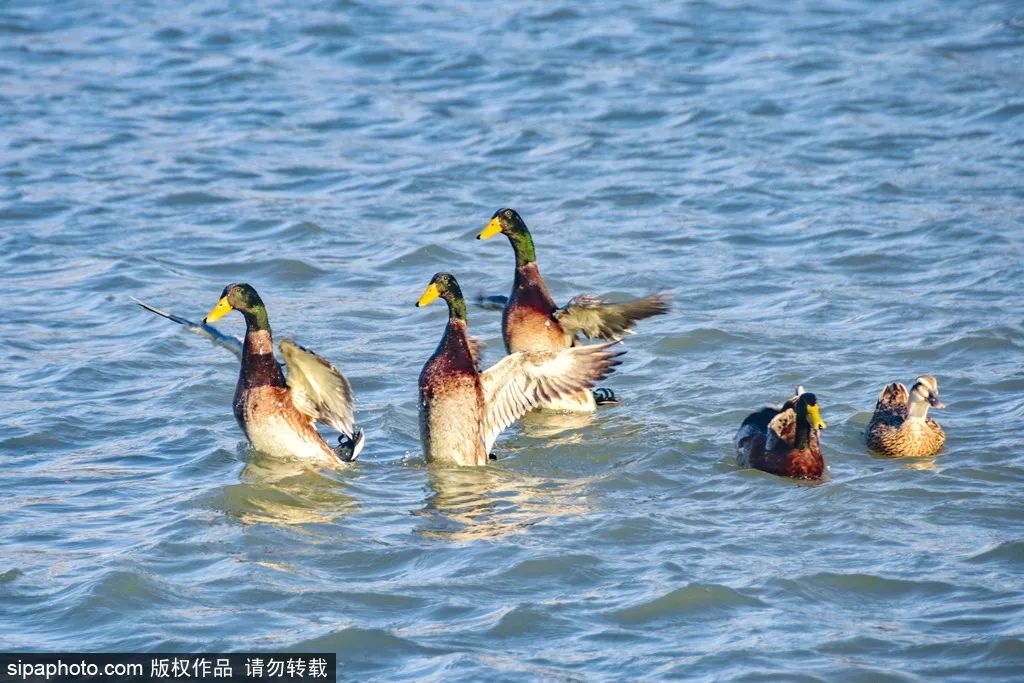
[
  {"x": 784, "y": 440},
  {"x": 462, "y": 410},
  {"x": 901, "y": 426},
  {"x": 532, "y": 322},
  {"x": 277, "y": 414}
]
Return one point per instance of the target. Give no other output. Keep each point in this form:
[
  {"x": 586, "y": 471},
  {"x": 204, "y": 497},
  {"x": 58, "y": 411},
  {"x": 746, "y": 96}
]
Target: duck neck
[
  {"x": 456, "y": 308},
  {"x": 256, "y": 319},
  {"x": 455, "y": 346},
  {"x": 259, "y": 365},
  {"x": 456, "y": 335},
  {"x": 529, "y": 290},
  {"x": 522, "y": 244},
  {"x": 803, "y": 429},
  {"x": 917, "y": 411}
]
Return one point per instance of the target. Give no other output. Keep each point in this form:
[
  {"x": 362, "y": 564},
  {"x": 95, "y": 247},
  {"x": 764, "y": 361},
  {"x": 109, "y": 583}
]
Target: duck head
[
  {"x": 505, "y": 221},
  {"x": 243, "y": 298},
  {"x": 511, "y": 224},
  {"x": 807, "y": 410},
  {"x": 445, "y": 286},
  {"x": 923, "y": 395}
]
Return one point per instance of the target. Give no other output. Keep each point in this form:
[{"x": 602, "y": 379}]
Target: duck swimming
[
  {"x": 784, "y": 440},
  {"x": 531, "y": 320},
  {"x": 900, "y": 425},
  {"x": 463, "y": 410},
  {"x": 277, "y": 413}
]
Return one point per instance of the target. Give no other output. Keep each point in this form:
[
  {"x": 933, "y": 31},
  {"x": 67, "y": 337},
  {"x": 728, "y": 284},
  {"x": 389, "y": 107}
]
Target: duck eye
[{"x": 508, "y": 213}]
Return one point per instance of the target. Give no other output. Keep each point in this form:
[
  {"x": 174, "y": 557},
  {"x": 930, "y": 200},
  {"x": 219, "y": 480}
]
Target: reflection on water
[
  {"x": 547, "y": 424},
  {"x": 472, "y": 503},
  {"x": 263, "y": 468},
  {"x": 927, "y": 463},
  {"x": 286, "y": 492}
]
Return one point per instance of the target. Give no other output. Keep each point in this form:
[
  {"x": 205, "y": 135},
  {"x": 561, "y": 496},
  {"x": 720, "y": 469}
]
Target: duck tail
[
  {"x": 349, "y": 447},
  {"x": 893, "y": 396}
]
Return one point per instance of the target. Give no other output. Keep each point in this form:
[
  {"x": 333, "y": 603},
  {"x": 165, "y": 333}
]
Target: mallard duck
[
  {"x": 901, "y": 426},
  {"x": 533, "y": 322},
  {"x": 784, "y": 440},
  {"x": 277, "y": 414},
  {"x": 463, "y": 410}
]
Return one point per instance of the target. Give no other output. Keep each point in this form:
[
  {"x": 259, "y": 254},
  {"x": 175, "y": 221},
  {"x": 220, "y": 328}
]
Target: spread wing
[
  {"x": 233, "y": 344},
  {"x": 782, "y": 427},
  {"x": 596, "y": 319},
  {"x": 522, "y": 381},
  {"x": 318, "y": 388}
]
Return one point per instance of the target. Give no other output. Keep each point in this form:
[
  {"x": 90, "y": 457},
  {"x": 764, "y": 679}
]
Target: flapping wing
[
  {"x": 233, "y": 344},
  {"x": 597, "y": 319},
  {"x": 318, "y": 388},
  {"x": 521, "y": 381}
]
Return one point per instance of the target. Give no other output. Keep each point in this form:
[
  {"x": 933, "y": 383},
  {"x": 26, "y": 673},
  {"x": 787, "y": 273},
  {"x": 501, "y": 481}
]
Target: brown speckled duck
[
  {"x": 900, "y": 425},
  {"x": 533, "y": 322},
  {"x": 784, "y": 440},
  {"x": 462, "y": 410},
  {"x": 277, "y": 414}
]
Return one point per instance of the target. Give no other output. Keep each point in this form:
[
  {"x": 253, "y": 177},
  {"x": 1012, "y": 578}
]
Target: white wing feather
[
  {"x": 318, "y": 388},
  {"x": 522, "y": 381}
]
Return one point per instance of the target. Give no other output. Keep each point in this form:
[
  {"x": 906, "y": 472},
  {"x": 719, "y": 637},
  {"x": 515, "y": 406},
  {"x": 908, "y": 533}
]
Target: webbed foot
[{"x": 349, "y": 448}]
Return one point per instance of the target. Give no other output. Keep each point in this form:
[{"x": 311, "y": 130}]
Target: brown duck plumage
[
  {"x": 278, "y": 414},
  {"x": 463, "y": 410},
  {"x": 900, "y": 425},
  {"x": 528, "y": 322},
  {"x": 784, "y": 440},
  {"x": 532, "y": 321}
]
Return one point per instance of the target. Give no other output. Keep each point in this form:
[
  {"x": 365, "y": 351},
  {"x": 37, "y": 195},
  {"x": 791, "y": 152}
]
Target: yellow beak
[
  {"x": 814, "y": 418},
  {"x": 492, "y": 229},
  {"x": 429, "y": 294},
  {"x": 219, "y": 311}
]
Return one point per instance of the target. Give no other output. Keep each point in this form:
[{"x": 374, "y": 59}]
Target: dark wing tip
[
  {"x": 493, "y": 302},
  {"x": 659, "y": 303},
  {"x": 165, "y": 314}
]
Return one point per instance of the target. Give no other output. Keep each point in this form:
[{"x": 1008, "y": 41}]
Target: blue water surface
[{"x": 833, "y": 191}]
